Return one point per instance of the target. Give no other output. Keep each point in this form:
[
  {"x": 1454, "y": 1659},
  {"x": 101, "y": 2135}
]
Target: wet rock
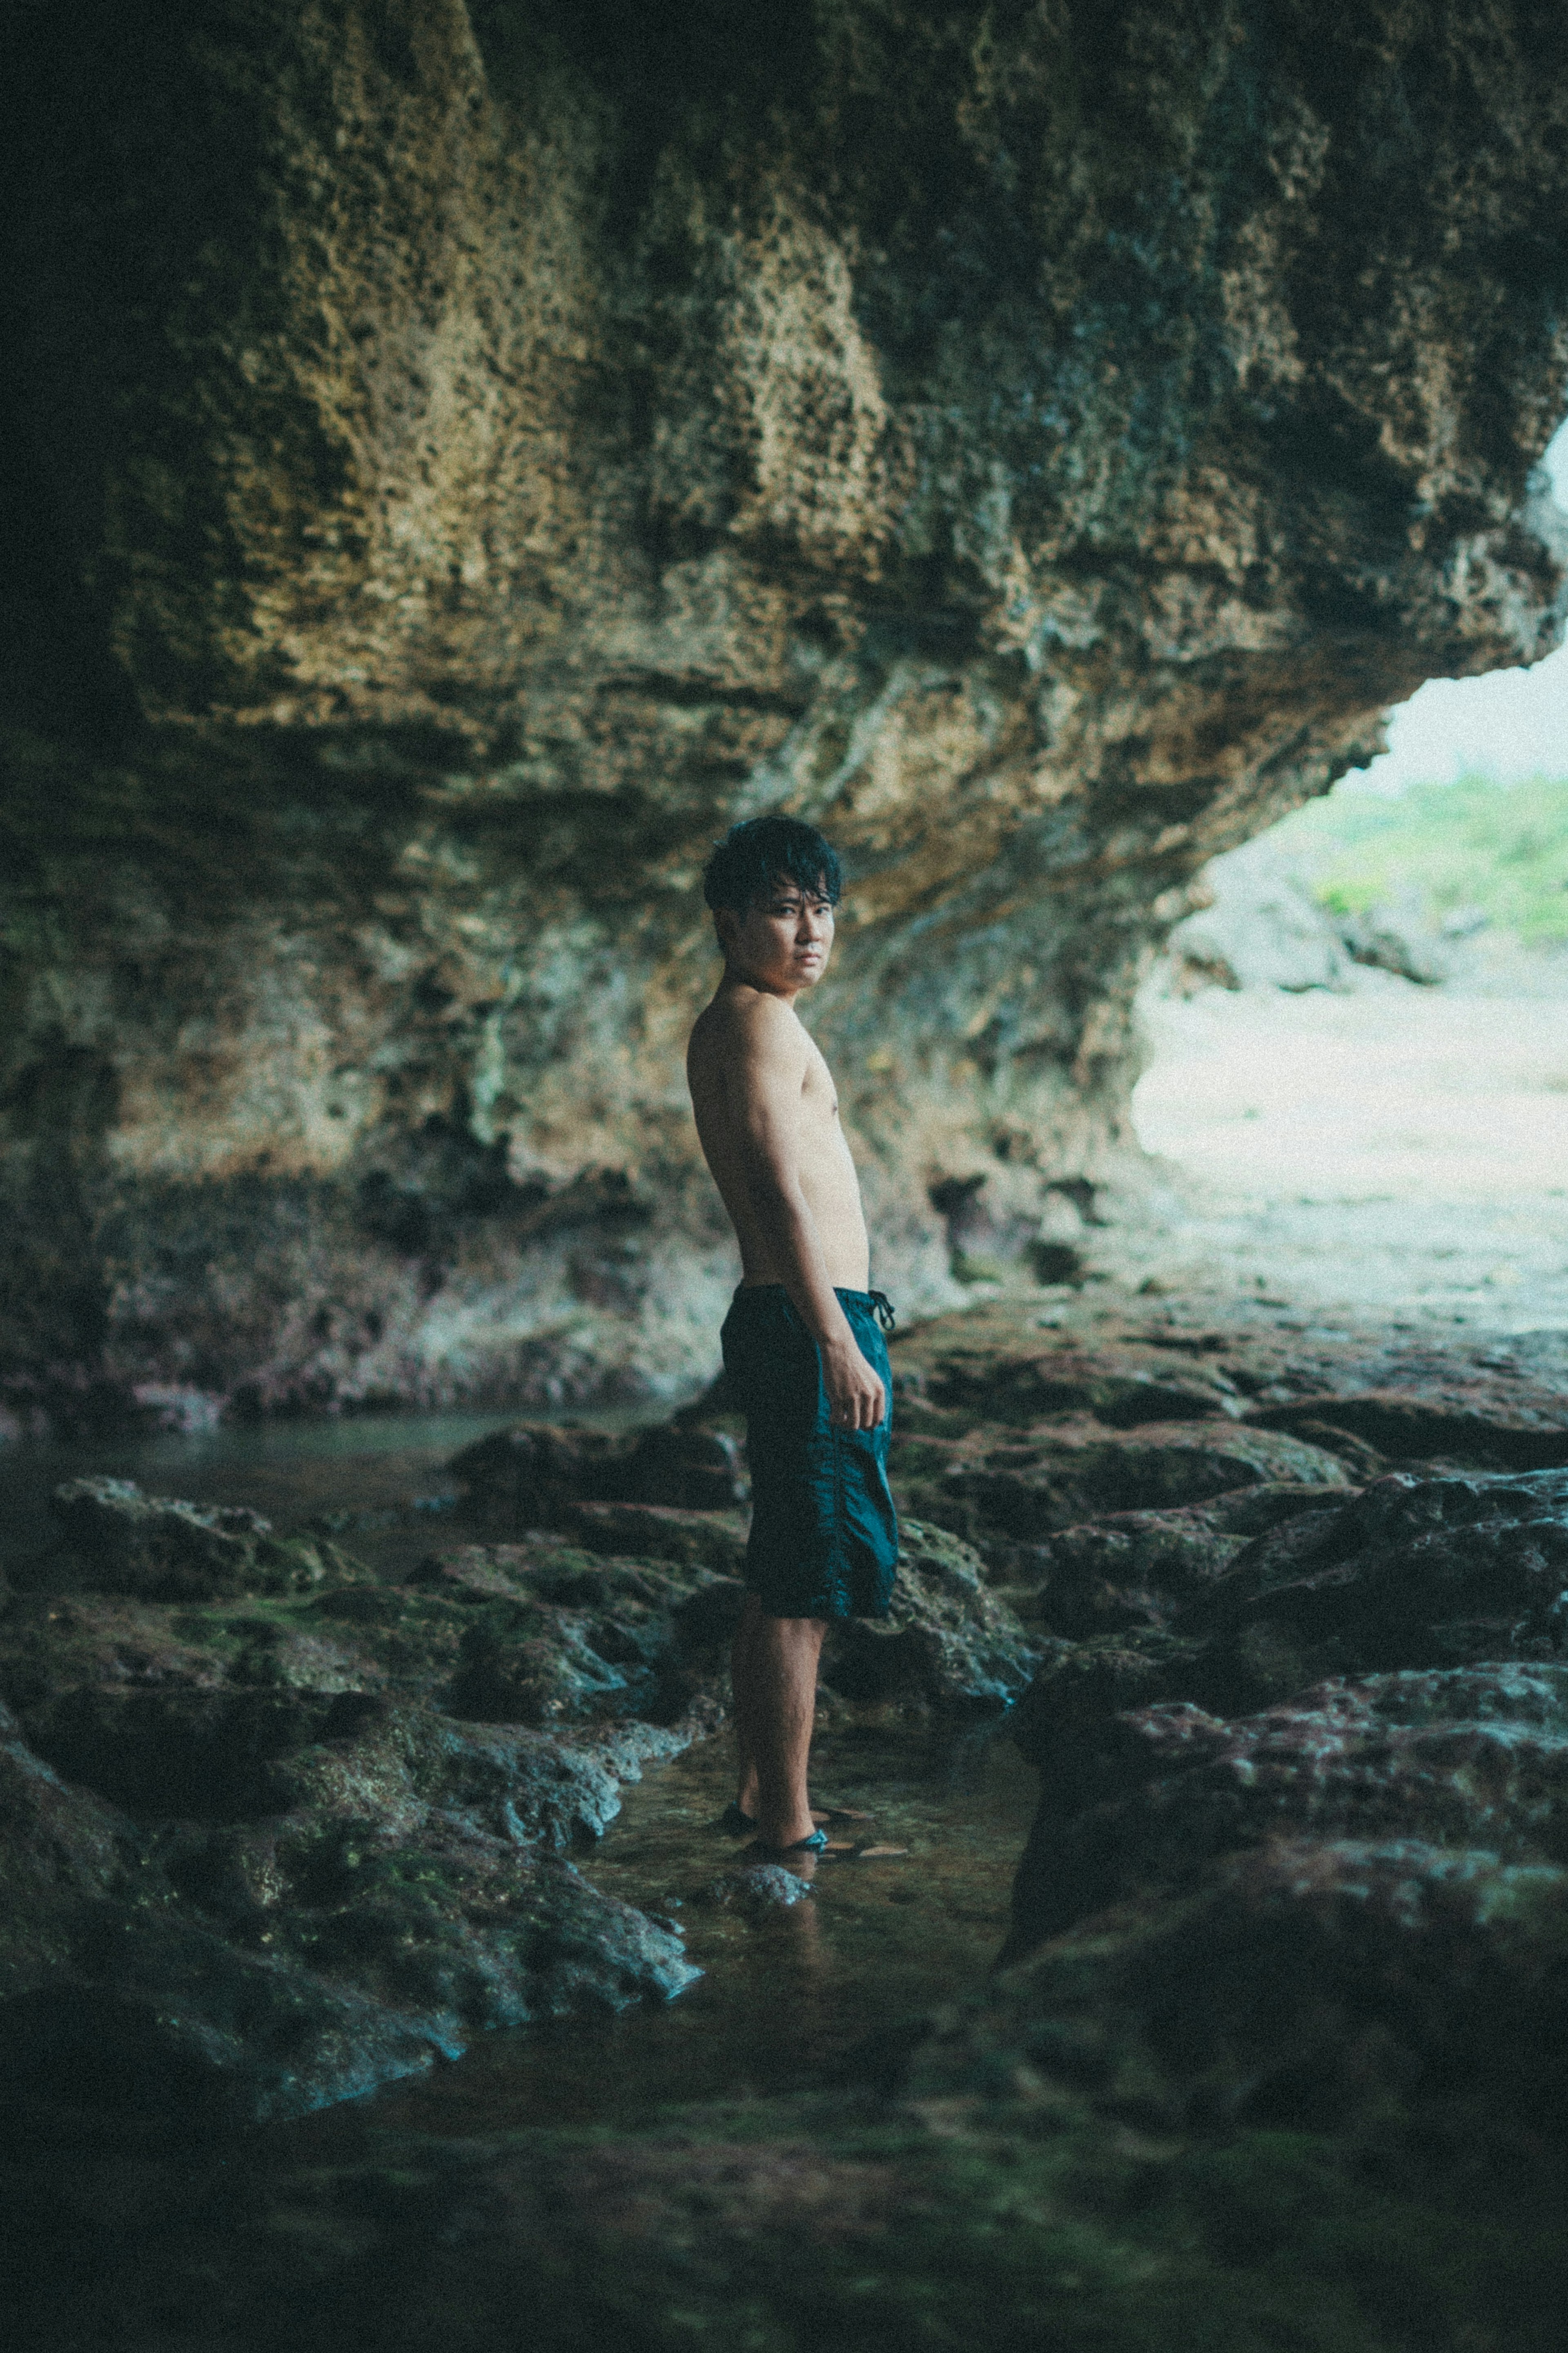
[
  {"x": 588, "y": 1638},
  {"x": 1324, "y": 2086},
  {"x": 206, "y": 1752},
  {"x": 260, "y": 1860},
  {"x": 540, "y": 1633},
  {"x": 1021, "y": 1490},
  {"x": 1292, "y": 2043},
  {"x": 401, "y": 1896},
  {"x": 1136, "y": 1568},
  {"x": 63, "y": 1849},
  {"x": 1472, "y": 1756},
  {"x": 994, "y": 1386},
  {"x": 948, "y": 1640},
  {"x": 759, "y": 1887},
  {"x": 1526, "y": 1429},
  {"x": 123, "y": 1541},
  {"x": 377, "y": 1957},
  {"x": 1397, "y": 1990},
  {"x": 656, "y": 1532},
  {"x": 531, "y": 1477},
  {"x": 389, "y": 1764},
  {"x": 1412, "y": 1572},
  {"x": 610, "y": 1639}
]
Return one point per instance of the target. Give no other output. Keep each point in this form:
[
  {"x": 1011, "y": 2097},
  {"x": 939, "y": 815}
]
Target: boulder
[
  {"x": 1411, "y": 1572},
  {"x": 948, "y": 1644},
  {"x": 540, "y": 1633},
  {"x": 1008, "y": 1386},
  {"x": 1020, "y": 1490},
  {"x": 1401, "y": 1991},
  {"x": 1525, "y": 1428},
  {"x": 715, "y": 1539},
  {"x": 263, "y": 1848},
  {"x": 1136, "y": 1568},
  {"x": 533, "y": 1476},
  {"x": 123, "y": 1541},
  {"x": 238, "y": 1971},
  {"x": 1471, "y": 1758},
  {"x": 1258, "y": 925}
]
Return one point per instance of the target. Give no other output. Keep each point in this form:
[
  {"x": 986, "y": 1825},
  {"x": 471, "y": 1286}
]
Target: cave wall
[{"x": 459, "y": 457}]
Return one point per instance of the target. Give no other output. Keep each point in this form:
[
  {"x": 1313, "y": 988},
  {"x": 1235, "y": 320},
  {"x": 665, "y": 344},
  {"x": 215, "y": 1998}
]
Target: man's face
[{"x": 780, "y": 943}]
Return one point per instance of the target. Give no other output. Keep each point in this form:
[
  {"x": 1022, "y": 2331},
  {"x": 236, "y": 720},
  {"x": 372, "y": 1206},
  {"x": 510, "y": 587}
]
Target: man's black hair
[{"x": 755, "y": 855}]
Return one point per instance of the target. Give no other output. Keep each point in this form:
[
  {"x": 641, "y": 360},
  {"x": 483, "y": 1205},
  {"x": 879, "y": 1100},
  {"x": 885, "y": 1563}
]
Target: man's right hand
[{"x": 856, "y": 1396}]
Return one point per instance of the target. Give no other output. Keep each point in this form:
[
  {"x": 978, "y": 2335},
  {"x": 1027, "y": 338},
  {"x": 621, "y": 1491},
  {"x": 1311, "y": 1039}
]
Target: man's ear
[{"x": 726, "y": 923}]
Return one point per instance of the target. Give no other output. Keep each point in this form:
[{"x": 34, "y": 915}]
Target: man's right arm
[{"x": 763, "y": 1085}]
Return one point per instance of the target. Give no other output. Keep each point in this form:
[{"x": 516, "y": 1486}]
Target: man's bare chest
[{"x": 819, "y": 1095}]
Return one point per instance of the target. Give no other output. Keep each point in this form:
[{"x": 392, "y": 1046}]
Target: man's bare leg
[
  {"x": 775, "y": 1662},
  {"x": 739, "y": 1681}
]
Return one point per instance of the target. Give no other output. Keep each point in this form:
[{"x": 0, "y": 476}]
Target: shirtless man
[{"x": 802, "y": 1341}]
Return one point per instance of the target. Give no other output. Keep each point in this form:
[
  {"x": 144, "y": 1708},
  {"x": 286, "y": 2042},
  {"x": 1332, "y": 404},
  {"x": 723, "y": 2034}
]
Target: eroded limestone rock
[
  {"x": 463, "y": 457},
  {"x": 1412, "y": 1573},
  {"x": 1137, "y": 1568},
  {"x": 947, "y": 1641},
  {"x": 528, "y": 1477},
  {"x": 1469, "y": 1757},
  {"x": 123, "y": 1541},
  {"x": 1289, "y": 2065},
  {"x": 262, "y": 1969},
  {"x": 309, "y": 1832},
  {"x": 1020, "y": 1490},
  {"x": 263, "y": 1855}
]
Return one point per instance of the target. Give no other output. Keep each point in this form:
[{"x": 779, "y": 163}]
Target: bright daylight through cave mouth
[
  {"x": 1358, "y": 1045},
  {"x": 1000, "y": 1786}
]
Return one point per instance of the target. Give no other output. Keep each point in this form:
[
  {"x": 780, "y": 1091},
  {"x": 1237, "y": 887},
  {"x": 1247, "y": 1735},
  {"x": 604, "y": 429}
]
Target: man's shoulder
[{"x": 748, "y": 1020}]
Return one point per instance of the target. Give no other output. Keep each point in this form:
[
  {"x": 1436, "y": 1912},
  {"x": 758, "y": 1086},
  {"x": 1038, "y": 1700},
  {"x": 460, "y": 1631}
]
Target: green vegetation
[{"x": 1501, "y": 850}]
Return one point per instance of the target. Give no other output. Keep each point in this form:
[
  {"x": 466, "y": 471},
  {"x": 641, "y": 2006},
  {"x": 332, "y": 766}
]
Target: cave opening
[
  {"x": 1359, "y": 1040},
  {"x": 458, "y": 455}
]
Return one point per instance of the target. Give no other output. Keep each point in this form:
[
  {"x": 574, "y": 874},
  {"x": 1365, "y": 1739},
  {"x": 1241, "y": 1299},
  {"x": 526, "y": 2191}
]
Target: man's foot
[
  {"x": 735, "y": 1822},
  {"x": 812, "y": 1844}
]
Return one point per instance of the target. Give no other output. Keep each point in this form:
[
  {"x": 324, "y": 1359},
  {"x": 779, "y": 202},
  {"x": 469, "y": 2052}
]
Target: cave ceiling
[{"x": 460, "y": 457}]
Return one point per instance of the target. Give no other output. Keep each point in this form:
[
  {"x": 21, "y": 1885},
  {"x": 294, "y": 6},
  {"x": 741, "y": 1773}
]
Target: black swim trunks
[{"x": 824, "y": 1536}]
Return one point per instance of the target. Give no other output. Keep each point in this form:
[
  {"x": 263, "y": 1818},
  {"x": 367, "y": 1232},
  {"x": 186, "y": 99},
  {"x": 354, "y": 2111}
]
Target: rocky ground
[
  {"x": 280, "y": 1828},
  {"x": 1277, "y": 2054}
]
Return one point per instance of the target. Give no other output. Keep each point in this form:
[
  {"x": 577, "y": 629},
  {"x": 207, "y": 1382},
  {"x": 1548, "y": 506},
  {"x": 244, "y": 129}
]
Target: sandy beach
[{"x": 1394, "y": 1147}]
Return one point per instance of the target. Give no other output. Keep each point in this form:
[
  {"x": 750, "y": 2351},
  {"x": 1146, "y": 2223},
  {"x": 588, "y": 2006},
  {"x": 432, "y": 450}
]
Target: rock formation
[
  {"x": 460, "y": 454},
  {"x": 1279, "y": 2059},
  {"x": 276, "y": 1829}
]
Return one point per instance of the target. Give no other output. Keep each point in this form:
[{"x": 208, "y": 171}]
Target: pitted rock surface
[
  {"x": 1283, "y": 2044},
  {"x": 263, "y": 1857},
  {"x": 1019, "y": 1491},
  {"x": 1137, "y": 1568},
  {"x": 1473, "y": 1757},
  {"x": 311, "y": 1832},
  {"x": 123, "y": 1541},
  {"x": 463, "y": 458},
  {"x": 947, "y": 1640},
  {"x": 760, "y": 1887},
  {"x": 259, "y": 1969}
]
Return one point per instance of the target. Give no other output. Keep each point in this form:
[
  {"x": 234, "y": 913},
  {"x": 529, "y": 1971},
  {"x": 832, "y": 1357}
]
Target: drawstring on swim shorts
[{"x": 884, "y": 1307}]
